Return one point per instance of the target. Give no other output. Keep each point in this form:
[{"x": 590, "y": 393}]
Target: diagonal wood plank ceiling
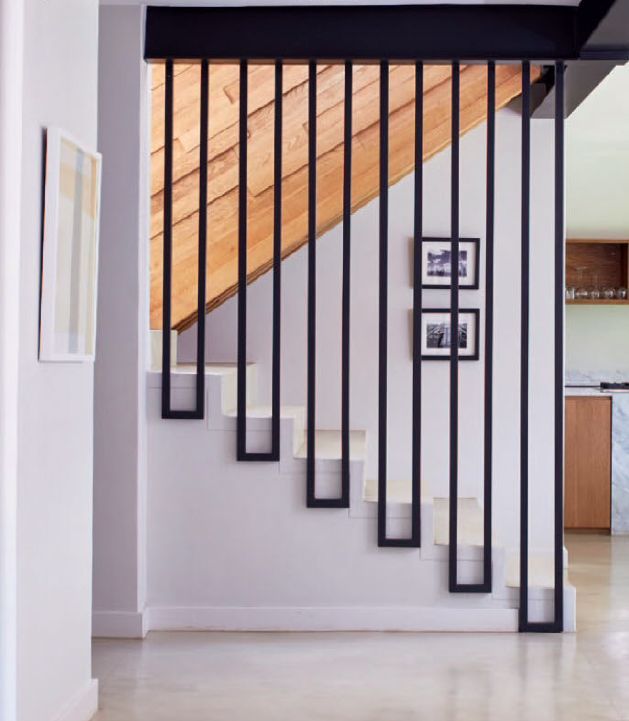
[{"x": 223, "y": 154}]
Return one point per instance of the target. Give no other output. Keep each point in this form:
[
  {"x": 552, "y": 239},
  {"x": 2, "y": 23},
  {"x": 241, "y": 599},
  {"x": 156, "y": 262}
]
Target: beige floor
[{"x": 388, "y": 677}]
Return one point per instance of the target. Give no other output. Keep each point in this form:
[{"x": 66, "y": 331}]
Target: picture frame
[
  {"x": 69, "y": 267},
  {"x": 435, "y": 340},
  {"x": 436, "y": 270}
]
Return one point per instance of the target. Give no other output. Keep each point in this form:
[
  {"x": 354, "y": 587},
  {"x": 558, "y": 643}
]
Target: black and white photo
[
  {"x": 437, "y": 263},
  {"x": 437, "y": 334}
]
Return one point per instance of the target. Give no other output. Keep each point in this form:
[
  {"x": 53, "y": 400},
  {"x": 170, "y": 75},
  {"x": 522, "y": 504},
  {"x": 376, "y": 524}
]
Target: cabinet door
[{"x": 588, "y": 463}]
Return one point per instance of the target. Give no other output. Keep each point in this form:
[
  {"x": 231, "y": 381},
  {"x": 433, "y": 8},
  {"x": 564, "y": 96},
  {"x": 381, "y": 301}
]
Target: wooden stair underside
[{"x": 223, "y": 154}]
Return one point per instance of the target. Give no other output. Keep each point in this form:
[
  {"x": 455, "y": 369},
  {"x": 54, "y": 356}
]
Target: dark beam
[
  {"x": 604, "y": 28},
  {"x": 398, "y": 33}
]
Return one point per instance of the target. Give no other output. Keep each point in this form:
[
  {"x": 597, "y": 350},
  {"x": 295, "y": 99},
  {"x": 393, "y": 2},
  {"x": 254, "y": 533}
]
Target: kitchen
[{"x": 597, "y": 313}]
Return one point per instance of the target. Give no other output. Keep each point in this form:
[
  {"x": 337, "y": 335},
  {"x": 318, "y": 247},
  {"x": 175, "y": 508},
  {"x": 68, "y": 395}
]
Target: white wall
[
  {"x": 597, "y": 167},
  {"x": 11, "y": 49},
  {"x": 54, "y": 520},
  {"x": 122, "y": 327},
  {"x": 221, "y": 329}
]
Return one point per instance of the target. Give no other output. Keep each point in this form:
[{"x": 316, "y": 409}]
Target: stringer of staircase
[{"x": 223, "y": 154}]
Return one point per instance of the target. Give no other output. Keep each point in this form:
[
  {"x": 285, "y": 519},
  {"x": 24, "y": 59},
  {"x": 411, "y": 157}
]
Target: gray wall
[{"x": 119, "y": 454}]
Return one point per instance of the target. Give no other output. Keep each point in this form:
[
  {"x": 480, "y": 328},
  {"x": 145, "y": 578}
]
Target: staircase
[
  {"x": 263, "y": 561},
  {"x": 223, "y": 157}
]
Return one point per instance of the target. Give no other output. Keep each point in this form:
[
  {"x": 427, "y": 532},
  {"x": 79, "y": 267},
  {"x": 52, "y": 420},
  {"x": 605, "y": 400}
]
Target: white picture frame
[{"x": 69, "y": 269}]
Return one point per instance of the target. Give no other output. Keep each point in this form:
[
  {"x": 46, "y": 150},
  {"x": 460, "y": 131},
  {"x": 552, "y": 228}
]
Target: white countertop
[{"x": 586, "y": 391}]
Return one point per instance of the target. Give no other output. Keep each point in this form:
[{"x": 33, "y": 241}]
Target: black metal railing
[{"x": 382, "y": 35}]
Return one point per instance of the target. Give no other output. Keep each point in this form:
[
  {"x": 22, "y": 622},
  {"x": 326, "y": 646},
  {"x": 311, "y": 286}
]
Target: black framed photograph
[
  {"x": 437, "y": 263},
  {"x": 437, "y": 335}
]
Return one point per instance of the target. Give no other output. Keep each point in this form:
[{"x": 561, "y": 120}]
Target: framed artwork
[
  {"x": 436, "y": 334},
  {"x": 437, "y": 263},
  {"x": 70, "y": 250}
]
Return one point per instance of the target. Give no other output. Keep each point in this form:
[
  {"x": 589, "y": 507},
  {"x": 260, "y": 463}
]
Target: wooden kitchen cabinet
[{"x": 588, "y": 462}]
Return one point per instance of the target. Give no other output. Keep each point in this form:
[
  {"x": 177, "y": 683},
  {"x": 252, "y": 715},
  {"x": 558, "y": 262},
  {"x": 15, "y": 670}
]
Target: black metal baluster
[
  {"x": 383, "y": 539},
  {"x": 311, "y": 501},
  {"x": 417, "y": 307},
  {"x": 454, "y": 332},
  {"x": 383, "y": 304},
  {"x": 198, "y": 411},
  {"x": 202, "y": 267},
  {"x": 241, "y": 421},
  {"x": 489, "y": 327},
  {"x": 167, "y": 237},
  {"x": 559, "y": 342},
  {"x": 524, "y": 348},
  {"x": 485, "y": 585},
  {"x": 557, "y": 624},
  {"x": 342, "y": 501},
  {"x": 345, "y": 321},
  {"x": 277, "y": 262}
]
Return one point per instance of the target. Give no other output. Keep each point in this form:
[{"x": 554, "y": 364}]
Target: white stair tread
[
  {"x": 267, "y": 412},
  {"x": 469, "y": 525},
  {"x": 541, "y": 571},
  {"x": 398, "y": 491},
  {"x": 328, "y": 445},
  {"x": 215, "y": 369}
]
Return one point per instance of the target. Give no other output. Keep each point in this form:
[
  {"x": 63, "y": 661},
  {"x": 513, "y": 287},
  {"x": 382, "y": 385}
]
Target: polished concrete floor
[{"x": 388, "y": 677}]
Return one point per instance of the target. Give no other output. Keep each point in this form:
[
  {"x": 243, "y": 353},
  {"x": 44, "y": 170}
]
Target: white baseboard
[
  {"x": 83, "y": 706},
  {"x": 345, "y": 618},
  {"x": 118, "y": 624}
]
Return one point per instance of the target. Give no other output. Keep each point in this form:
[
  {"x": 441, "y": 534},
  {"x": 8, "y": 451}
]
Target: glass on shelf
[
  {"x": 621, "y": 293},
  {"x": 581, "y": 292},
  {"x": 570, "y": 292},
  {"x": 608, "y": 293},
  {"x": 595, "y": 290}
]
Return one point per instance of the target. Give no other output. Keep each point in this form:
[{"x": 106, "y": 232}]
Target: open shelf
[
  {"x": 598, "y": 301},
  {"x": 597, "y": 262}
]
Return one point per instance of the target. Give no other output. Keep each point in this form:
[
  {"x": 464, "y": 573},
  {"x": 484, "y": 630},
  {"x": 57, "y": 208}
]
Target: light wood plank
[{"x": 224, "y": 154}]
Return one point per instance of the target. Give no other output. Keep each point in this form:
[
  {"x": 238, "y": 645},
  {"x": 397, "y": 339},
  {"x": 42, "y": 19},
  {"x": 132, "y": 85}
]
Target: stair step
[
  {"x": 469, "y": 526},
  {"x": 397, "y": 491},
  {"x": 328, "y": 445},
  {"x": 541, "y": 572},
  {"x": 213, "y": 369},
  {"x": 267, "y": 412}
]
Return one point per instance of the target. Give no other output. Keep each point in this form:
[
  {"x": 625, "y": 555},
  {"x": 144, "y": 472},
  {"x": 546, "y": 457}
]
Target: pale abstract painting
[{"x": 70, "y": 250}]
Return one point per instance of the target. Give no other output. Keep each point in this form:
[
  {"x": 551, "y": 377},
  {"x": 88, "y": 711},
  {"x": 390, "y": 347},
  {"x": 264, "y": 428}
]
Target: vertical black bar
[
  {"x": 454, "y": 331},
  {"x": 345, "y": 320},
  {"x": 524, "y": 346},
  {"x": 198, "y": 411},
  {"x": 557, "y": 624},
  {"x": 489, "y": 325},
  {"x": 559, "y": 349},
  {"x": 312, "y": 280},
  {"x": 341, "y": 501},
  {"x": 167, "y": 237},
  {"x": 417, "y": 305},
  {"x": 201, "y": 280},
  {"x": 383, "y": 302},
  {"x": 241, "y": 421},
  {"x": 277, "y": 263},
  {"x": 485, "y": 585}
]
